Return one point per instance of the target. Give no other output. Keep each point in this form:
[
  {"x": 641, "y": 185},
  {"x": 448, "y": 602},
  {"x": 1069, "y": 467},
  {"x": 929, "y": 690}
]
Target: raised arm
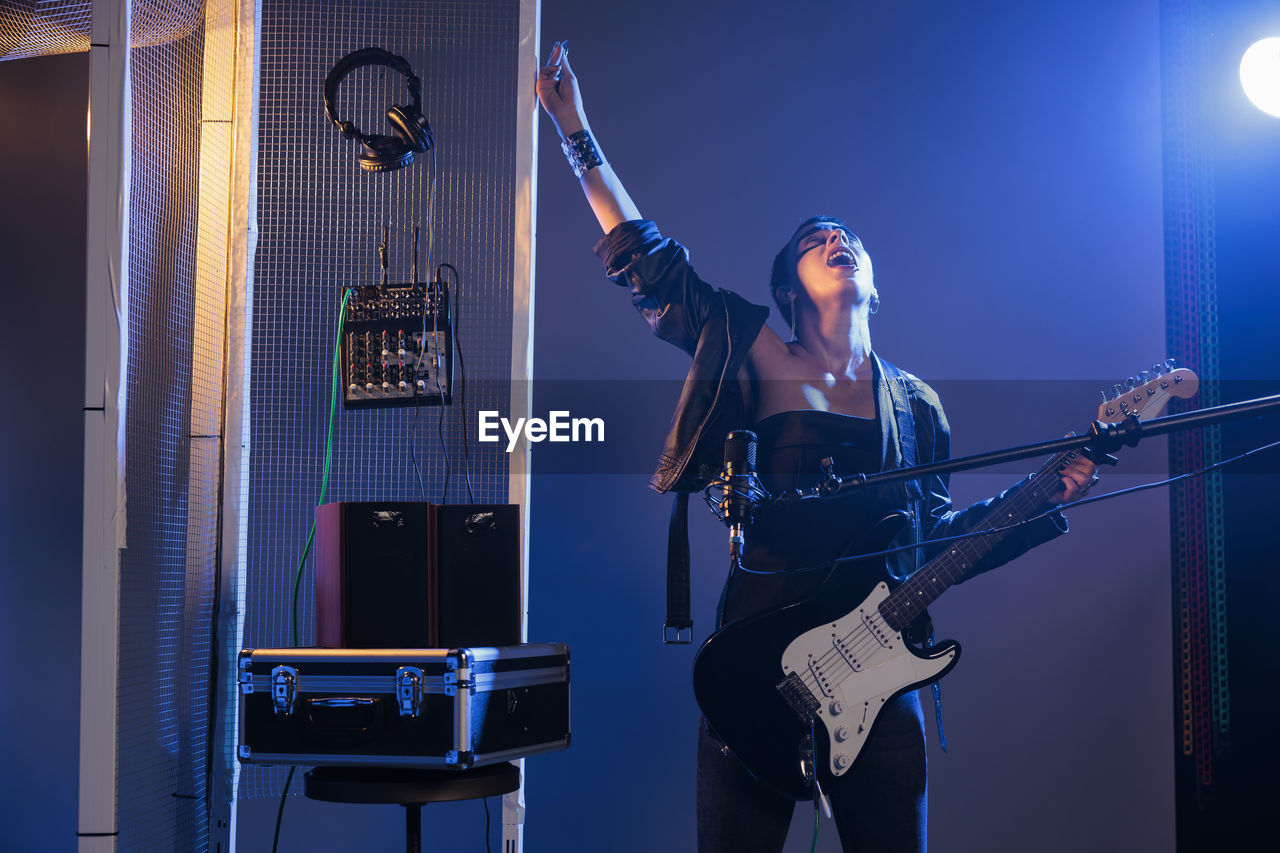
[{"x": 558, "y": 92}]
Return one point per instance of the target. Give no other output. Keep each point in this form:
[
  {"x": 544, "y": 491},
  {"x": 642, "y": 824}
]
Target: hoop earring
[{"x": 873, "y": 304}]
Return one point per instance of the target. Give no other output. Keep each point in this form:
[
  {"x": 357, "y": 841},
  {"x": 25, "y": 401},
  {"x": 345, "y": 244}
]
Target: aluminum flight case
[{"x": 442, "y": 708}]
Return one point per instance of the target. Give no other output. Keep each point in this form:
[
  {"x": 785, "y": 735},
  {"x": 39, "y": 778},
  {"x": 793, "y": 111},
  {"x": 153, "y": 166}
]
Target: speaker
[
  {"x": 475, "y": 574},
  {"x": 401, "y": 574}
]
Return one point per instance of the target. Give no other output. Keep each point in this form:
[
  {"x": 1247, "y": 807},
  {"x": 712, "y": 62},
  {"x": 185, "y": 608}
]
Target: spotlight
[{"x": 1260, "y": 75}]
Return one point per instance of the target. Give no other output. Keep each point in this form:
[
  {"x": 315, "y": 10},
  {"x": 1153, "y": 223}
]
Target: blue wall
[
  {"x": 1244, "y": 145},
  {"x": 1001, "y": 163},
  {"x": 42, "y": 240}
]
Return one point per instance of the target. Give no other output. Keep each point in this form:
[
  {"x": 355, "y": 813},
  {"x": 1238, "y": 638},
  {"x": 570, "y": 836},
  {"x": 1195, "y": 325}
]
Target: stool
[{"x": 409, "y": 787}]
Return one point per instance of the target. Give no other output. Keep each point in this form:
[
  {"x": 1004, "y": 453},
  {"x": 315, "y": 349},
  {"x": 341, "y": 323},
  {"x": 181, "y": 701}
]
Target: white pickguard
[{"x": 853, "y": 666}]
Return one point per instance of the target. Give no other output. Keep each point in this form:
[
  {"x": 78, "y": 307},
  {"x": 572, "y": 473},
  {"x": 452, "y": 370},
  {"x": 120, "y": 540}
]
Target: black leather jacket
[{"x": 717, "y": 327}]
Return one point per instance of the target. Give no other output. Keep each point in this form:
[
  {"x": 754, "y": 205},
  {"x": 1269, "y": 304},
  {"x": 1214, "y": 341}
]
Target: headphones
[{"x": 381, "y": 153}]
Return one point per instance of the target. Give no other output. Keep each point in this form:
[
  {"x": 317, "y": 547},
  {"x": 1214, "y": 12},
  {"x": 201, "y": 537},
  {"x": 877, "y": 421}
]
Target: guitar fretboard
[{"x": 923, "y": 588}]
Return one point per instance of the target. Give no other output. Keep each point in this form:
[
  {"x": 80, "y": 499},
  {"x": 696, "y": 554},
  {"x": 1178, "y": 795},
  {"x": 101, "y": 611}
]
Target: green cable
[
  {"x": 328, "y": 458},
  {"x": 306, "y": 549},
  {"x": 814, "y": 846}
]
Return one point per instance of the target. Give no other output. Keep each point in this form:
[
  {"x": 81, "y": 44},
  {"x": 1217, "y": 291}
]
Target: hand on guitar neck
[
  {"x": 1078, "y": 476},
  {"x": 817, "y": 667}
]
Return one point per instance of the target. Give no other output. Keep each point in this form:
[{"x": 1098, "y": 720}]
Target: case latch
[
  {"x": 409, "y": 690},
  {"x": 284, "y": 689}
]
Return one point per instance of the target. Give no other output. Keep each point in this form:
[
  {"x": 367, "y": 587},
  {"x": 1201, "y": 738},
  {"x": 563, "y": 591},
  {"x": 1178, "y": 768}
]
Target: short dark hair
[{"x": 784, "y": 263}]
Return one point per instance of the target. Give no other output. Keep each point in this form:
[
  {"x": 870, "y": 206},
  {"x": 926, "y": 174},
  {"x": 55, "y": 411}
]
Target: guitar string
[
  {"x": 910, "y": 599},
  {"x": 1043, "y": 482},
  {"x": 964, "y": 554},
  {"x": 831, "y": 564},
  {"x": 811, "y": 680},
  {"x": 868, "y": 643},
  {"x": 973, "y": 534}
]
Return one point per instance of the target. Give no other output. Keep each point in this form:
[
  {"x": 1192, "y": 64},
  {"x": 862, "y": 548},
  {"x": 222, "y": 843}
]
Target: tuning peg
[
  {"x": 1117, "y": 390},
  {"x": 1103, "y": 397},
  {"x": 1132, "y": 382},
  {"x": 1145, "y": 377},
  {"x": 1168, "y": 365},
  {"x": 1157, "y": 370}
]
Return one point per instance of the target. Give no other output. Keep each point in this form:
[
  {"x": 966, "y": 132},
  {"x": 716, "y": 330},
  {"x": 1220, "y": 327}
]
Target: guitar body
[
  {"x": 819, "y": 668},
  {"x": 835, "y": 666}
]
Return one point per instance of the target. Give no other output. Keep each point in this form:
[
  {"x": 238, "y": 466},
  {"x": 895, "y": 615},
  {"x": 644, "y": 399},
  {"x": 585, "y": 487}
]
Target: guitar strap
[
  {"x": 678, "y": 629},
  {"x": 904, "y": 416}
]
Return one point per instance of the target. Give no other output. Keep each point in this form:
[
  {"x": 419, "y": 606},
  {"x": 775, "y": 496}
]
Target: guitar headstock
[{"x": 1146, "y": 394}]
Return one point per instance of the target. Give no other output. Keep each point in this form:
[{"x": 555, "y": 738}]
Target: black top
[
  {"x": 793, "y": 444},
  {"x": 788, "y": 537}
]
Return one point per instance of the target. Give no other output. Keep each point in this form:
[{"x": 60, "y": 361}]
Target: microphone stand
[{"x": 1101, "y": 439}]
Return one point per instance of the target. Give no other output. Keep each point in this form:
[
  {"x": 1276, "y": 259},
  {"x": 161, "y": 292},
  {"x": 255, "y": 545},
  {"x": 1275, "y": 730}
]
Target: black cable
[
  {"x": 413, "y": 255},
  {"x": 462, "y": 369},
  {"x": 431, "y": 244},
  {"x": 417, "y": 399},
  {"x": 1007, "y": 527},
  {"x": 284, "y": 795},
  {"x": 426, "y": 301},
  {"x": 441, "y": 295},
  {"x": 486, "y": 825},
  {"x": 324, "y": 489},
  {"x": 431, "y": 208},
  {"x": 417, "y": 404}
]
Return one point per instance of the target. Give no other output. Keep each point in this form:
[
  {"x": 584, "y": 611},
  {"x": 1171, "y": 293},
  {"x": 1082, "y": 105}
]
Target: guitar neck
[
  {"x": 937, "y": 576},
  {"x": 923, "y": 588}
]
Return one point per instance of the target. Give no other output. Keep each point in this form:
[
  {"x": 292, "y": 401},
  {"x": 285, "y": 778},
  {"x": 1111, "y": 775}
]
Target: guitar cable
[
  {"x": 462, "y": 370},
  {"x": 306, "y": 550},
  {"x": 1007, "y": 527},
  {"x": 811, "y": 771}
]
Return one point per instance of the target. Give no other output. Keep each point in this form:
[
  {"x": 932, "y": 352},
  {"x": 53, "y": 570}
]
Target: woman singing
[{"x": 823, "y": 394}]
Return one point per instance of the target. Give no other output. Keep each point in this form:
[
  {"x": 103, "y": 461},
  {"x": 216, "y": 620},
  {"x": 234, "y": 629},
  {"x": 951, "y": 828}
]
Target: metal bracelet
[{"x": 581, "y": 151}]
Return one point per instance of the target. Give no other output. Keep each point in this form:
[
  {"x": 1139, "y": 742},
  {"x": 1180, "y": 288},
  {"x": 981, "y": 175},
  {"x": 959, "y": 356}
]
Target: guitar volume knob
[
  {"x": 842, "y": 761},
  {"x": 837, "y": 707},
  {"x": 842, "y": 733}
]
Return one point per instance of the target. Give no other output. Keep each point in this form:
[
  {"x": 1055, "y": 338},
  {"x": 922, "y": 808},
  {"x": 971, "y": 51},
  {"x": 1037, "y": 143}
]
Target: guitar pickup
[
  {"x": 820, "y": 677},
  {"x": 847, "y": 653},
  {"x": 876, "y": 627}
]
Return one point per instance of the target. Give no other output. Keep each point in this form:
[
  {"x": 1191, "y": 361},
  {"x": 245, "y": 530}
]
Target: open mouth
[{"x": 842, "y": 258}]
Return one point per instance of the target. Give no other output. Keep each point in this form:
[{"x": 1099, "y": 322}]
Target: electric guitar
[{"x": 796, "y": 691}]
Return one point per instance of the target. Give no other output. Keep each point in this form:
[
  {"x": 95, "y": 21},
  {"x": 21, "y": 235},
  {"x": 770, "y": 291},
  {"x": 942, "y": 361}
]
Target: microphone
[{"x": 742, "y": 489}]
